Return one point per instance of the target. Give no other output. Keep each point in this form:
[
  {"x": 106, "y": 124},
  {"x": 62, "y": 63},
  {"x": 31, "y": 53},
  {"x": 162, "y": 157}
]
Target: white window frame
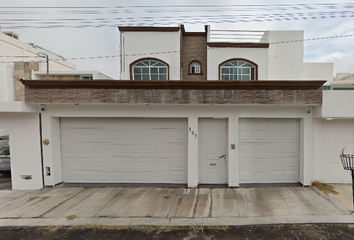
[
  {"x": 237, "y": 70},
  {"x": 150, "y": 70},
  {"x": 195, "y": 67}
]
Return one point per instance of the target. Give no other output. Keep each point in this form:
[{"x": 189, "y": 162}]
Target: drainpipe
[
  {"x": 40, "y": 144},
  {"x": 44, "y": 55}
]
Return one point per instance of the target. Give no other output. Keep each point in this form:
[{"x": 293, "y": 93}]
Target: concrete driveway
[{"x": 167, "y": 206}]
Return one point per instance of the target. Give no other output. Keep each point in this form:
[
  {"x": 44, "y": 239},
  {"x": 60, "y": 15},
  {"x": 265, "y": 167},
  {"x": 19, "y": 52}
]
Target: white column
[
  {"x": 51, "y": 151},
  {"x": 193, "y": 166},
  {"x": 233, "y": 171},
  {"x": 306, "y": 148}
]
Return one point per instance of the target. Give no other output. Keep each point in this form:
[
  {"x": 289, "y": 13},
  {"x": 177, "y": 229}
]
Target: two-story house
[{"x": 191, "y": 108}]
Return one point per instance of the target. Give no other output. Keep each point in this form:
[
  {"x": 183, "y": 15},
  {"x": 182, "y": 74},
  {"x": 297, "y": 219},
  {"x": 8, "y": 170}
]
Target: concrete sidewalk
[
  {"x": 124, "y": 206},
  {"x": 345, "y": 195}
]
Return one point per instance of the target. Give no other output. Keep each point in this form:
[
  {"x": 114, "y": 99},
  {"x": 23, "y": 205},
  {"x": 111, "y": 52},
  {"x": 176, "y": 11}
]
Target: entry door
[{"x": 212, "y": 151}]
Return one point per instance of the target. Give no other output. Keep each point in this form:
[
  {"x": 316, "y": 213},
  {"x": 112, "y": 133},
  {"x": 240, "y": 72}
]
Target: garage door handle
[{"x": 222, "y": 156}]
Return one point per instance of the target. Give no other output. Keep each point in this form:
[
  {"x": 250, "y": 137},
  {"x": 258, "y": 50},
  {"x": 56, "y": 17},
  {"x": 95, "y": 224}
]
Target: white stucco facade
[
  {"x": 51, "y": 131},
  {"x": 319, "y": 139},
  {"x": 161, "y": 45},
  {"x": 218, "y": 55}
]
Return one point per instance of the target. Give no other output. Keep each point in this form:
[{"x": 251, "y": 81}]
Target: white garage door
[
  {"x": 124, "y": 150},
  {"x": 269, "y": 150}
]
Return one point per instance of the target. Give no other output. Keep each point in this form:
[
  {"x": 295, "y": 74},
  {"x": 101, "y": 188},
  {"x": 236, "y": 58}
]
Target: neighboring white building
[
  {"x": 69, "y": 75},
  {"x": 22, "y": 120}
]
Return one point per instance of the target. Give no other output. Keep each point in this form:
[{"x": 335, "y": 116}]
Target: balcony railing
[{"x": 237, "y": 36}]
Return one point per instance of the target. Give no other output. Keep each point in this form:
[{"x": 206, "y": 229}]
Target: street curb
[{"x": 331, "y": 200}]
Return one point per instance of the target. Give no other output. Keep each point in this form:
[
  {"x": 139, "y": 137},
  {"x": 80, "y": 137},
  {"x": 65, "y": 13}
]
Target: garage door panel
[
  {"x": 179, "y": 135},
  {"x": 245, "y": 149},
  {"x": 259, "y": 124},
  {"x": 291, "y": 162},
  {"x": 271, "y": 157},
  {"x": 260, "y": 149},
  {"x": 260, "y": 135},
  {"x": 291, "y": 135},
  {"x": 135, "y": 176},
  {"x": 276, "y": 176},
  {"x": 178, "y": 163},
  {"x": 291, "y": 148},
  {"x": 86, "y": 148},
  {"x": 69, "y": 148},
  {"x": 165, "y": 135},
  {"x": 149, "y": 135},
  {"x": 135, "y": 163},
  {"x": 275, "y": 148},
  {"x": 148, "y": 175},
  {"x": 164, "y": 149},
  {"x": 163, "y": 163},
  {"x": 100, "y": 148},
  {"x": 291, "y": 176},
  {"x": 260, "y": 163},
  {"x": 276, "y": 162},
  {"x": 118, "y": 135},
  {"x": 149, "y": 163},
  {"x": 72, "y": 175},
  {"x": 179, "y": 149},
  {"x": 246, "y": 176},
  {"x": 245, "y": 162},
  {"x": 118, "y": 148},
  {"x": 102, "y": 176},
  {"x": 72, "y": 162},
  {"x": 275, "y": 135},
  {"x": 88, "y": 175},
  {"x": 135, "y": 135},
  {"x": 118, "y": 162},
  {"x": 119, "y": 176},
  {"x": 101, "y": 162},
  {"x": 245, "y": 135},
  {"x": 149, "y": 149},
  {"x": 135, "y": 149},
  {"x": 87, "y": 162},
  {"x": 261, "y": 176}
]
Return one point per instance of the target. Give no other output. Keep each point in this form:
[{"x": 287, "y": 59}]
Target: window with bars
[
  {"x": 237, "y": 70},
  {"x": 150, "y": 70}
]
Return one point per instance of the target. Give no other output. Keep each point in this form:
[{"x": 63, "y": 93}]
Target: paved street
[
  {"x": 124, "y": 206},
  {"x": 287, "y": 231}
]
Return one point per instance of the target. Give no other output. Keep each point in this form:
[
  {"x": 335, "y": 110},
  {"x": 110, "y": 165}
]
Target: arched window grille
[
  {"x": 237, "y": 70},
  {"x": 194, "y": 67},
  {"x": 150, "y": 70}
]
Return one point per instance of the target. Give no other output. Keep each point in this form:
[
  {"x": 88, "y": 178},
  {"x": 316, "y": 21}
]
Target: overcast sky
[{"x": 92, "y": 32}]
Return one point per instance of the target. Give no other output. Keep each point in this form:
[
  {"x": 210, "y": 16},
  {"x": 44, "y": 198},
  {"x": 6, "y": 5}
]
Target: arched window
[
  {"x": 194, "y": 67},
  {"x": 149, "y": 69},
  {"x": 238, "y": 69}
]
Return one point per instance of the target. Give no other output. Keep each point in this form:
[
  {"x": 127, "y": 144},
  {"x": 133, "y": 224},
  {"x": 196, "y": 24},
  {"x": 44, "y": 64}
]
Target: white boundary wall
[{"x": 25, "y": 149}]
